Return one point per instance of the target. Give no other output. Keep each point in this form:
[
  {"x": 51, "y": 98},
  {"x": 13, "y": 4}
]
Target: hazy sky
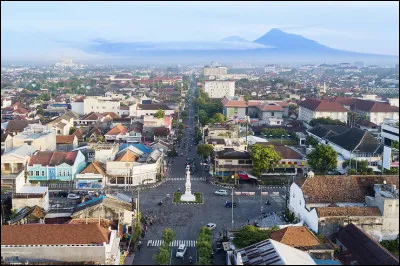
[{"x": 49, "y": 29}]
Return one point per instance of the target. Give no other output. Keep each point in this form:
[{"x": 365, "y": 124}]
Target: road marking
[{"x": 175, "y": 243}]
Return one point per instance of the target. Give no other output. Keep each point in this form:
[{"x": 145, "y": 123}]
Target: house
[
  {"x": 60, "y": 243},
  {"x": 91, "y": 119},
  {"x": 161, "y": 145},
  {"x": 38, "y": 136},
  {"x": 106, "y": 208},
  {"x": 5, "y": 102},
  {"x": 344, "y": 101},
  {"x": 104, "y": 152},
  {"x": 14, "y": 127},
  {"x": 320, "y": 133},
  {"x": 6, "y": 142},
  {"x": 45, "y": 166},
  {"x": 302, "y": 238},
  {"x": 79, "y": 134},
  {"x": 77, "y": 105},
  {"x": 15, "y": 160},
  {"x": 66, "y": 143},
  {"x": 100, "y": 104},
  {"x": 160, "y": 133},
  {"x": 373, "y": 111},
  {"x": 271, "y": 113},
  {"x": 93, "y": 176},
  {"x": 63, "y": 123},
  {"x": 139, "y": 110},
  {"x": 29, "y": 215},
  {"x": 228, "y": 161},
  {"x": 313, "y": 108},
  {"x": 325, "y": 203},
  {"x": 219, "y": 88},
  {"x": 116, "y": 133},
  {"x": 269, "y": 252},
  {"x": 359, "y": 248},
  {"x": 369, "y": 126}
]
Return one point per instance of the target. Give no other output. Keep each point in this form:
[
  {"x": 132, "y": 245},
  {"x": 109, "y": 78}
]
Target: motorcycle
[{"x": 160, "y": 203}]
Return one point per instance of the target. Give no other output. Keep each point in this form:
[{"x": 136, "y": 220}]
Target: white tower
[{"x": 188, "y": 196}]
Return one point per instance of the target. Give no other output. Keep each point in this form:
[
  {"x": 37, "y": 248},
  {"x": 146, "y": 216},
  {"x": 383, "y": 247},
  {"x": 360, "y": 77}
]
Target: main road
[{"x": 186, "y": 220}]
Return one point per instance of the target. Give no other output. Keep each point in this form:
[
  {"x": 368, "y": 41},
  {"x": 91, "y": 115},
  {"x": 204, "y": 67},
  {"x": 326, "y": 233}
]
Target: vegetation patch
[
  {"x": 249, "y": 235},
  {"x": 198, "y": 195}
]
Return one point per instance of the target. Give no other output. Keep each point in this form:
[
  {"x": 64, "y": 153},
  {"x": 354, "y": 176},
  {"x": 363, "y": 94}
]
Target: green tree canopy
[
  {"x": 275, "y": 132},
  {"x": 249, "y": 235},
  {"x": 40, "y": 111},
  {"x": 168, "y": 235},
  {"x": 45, "y": 96},
  {"x": 311, "y": 141},
  {"x": 160, "y": 113},
  {"x": 205, "y": 150},
  {"x": 362, "y": 166},
  {"x": 162, "y": 257},
  {"x": 323, "y": 159},
  {"x": 325, "y": 121},
  {"x": 263, "y": 158}
]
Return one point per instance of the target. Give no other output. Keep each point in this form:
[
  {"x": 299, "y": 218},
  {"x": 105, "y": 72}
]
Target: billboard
[{"x": 387, "y": 157}]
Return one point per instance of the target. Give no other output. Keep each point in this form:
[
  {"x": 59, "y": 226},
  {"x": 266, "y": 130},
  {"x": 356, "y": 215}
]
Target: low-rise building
[
  {"x": 45, "y": 166},
  {"x": 38, "y": 136},
  {"x": 14, "y": 161},
  {"x": 61, "y": 243},
  {"x": 66, "y": 142},
  {"x": 92, "y": 177},
  {"x": 312, "y": 108},
  {"x": 375, "y": 111}
]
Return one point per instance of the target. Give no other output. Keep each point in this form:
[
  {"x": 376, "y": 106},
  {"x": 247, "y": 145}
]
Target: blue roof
[
  {"x": 138, "y": 146},
  {"x": 326, "y": 262}
]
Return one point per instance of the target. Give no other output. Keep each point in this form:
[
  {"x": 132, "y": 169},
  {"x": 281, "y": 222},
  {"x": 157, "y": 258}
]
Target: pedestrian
[{"x": 248, "y": 220}]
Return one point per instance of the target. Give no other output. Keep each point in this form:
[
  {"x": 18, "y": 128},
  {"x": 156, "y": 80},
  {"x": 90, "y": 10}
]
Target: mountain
[
  {"x": 291, "y": 42},
  {"x": 234, "y": 39}
]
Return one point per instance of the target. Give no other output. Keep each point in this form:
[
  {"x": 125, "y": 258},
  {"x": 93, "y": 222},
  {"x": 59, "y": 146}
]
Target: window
[
  {"x": 64, "y": 173},
  {"x": 241, "y": 161},
  {"x": 42, "y": 173},
  {"x": 30, "y": 172},
  {"x": 249, "y": 162},
  {"x": 272, "y": 114},
  {"x": 37, "y": 173}
]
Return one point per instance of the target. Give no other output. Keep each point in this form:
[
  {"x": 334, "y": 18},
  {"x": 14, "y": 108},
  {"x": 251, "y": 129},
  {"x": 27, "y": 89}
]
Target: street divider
[
  {"x": 276, "y": 194},
  {"x": 245, "y": 193},
  {"x": 264, "y": 193}
]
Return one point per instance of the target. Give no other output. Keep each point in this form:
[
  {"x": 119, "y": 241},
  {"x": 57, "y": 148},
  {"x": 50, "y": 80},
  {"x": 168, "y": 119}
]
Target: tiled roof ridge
[{"x": 361, "y": 140}]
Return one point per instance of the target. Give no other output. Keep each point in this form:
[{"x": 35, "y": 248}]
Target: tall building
[
  {"x": 220, "y": 88},
  {"x": 215, "y": 71}
]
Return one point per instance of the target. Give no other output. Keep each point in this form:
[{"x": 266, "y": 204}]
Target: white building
[
  {"x": 61, "y": 242},
  {"x": 219, "y": 88},
  {"x": 38, "y": 136},
  {"x": 389, "y": 133},
  {"x": 215, "y": 71},
  {"x": 374, "y": 111},
  {"x": 101, "y": 105},
  {"x": 314, "y": 108}
]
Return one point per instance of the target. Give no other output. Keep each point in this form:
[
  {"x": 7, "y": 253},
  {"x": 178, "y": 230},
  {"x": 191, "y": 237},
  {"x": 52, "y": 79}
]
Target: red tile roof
[
  {"x": 372, "y": 106},
  {"x": 53, "y": 234},
  {"x": 68, "y": 139},
  {"x": 322, "y": 106},
  {"x": 270, "y": 107},
  {"x": 117, "y": 130},
  {"x": 53, "y": 158},
  {"x": 348, "y": 211},
  {"x": 344, "y": 100},
  {"x": 94, "y": 168},
  {"x": 295, "y": 236}
]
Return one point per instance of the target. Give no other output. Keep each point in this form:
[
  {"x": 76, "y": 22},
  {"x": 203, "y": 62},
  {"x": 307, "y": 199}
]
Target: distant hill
[
  {"x": 291, "y": 42},
  {"x": 234, "y": 39}
]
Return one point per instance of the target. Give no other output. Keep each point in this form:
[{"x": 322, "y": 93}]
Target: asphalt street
[{"x": 186, "y": 220}]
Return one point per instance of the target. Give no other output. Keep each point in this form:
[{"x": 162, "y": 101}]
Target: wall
[
  {"x": 153, "y": 112},
  {"x": 104, "y": 155},
  {"x": 100, "y": 104},
  {"x": 265, "y": 115},
  {"x": 78, "y": 253},
  {"x": 390, "y": 211},
  {"x": 378, "y": 118},
  {"x": 239, "y": 112},
  {"x": 77, "y": 107},
  {"x": 19, "y": 203},
  {"x": 219, "y": 89},
  {"x": 297, "y": 205},
  {"x": 342, "y": 116}
]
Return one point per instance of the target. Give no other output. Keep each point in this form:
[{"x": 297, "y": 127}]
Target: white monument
[{"x": 188, "y": 196}]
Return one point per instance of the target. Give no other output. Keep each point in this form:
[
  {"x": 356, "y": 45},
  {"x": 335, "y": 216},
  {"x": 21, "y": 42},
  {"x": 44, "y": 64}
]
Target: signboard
[{"x": 387, "y": 155}]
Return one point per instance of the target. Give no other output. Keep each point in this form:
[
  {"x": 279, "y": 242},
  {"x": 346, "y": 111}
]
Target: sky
[{"x": 49, "y": 30}]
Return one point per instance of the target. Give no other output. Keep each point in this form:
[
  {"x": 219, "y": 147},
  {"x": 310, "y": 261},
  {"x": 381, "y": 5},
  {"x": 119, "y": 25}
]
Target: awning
[{"x": 246, "y": 176}]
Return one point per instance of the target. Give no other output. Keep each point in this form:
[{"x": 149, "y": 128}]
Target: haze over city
[{"x": 43, "y": 31}]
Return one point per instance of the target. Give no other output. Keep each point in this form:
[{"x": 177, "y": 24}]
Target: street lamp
[{"x": 233, "y": 177}]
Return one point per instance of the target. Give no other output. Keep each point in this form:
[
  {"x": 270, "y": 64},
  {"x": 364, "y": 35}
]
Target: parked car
[
  {"x": 211, "y": 226},
  {"x": 63, "y": 194},
  {"x": 73, "y": 196},
  {"x": 221, "y": 192},
  {"x": 181, "y": 251},
  {"x": 228, "y": 204}
]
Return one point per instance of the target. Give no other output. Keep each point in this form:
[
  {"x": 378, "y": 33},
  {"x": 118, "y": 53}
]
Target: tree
[
  {"x": 203, "y": 117},
  {"x": 40, "y": 111},
  {"x": 263, "y": 158},
  {"x": 168, "y": 235},
  {"x": 219, "y": 118},
  {"x": 275, "y": 132},
  {"x": 395, "y": 144},
  {"x": 162, "y": 258},
  {"x": 45, "y": 97},
  {"x": 362, "y": 166},
  {"x": 160, "y": 113},
  {"x": 72, "y": 130},
  {"x": 325, "y": 121},
  {"x": 323, "y": 158},
  {"x": 204, "y": 245},
  {"x": 352, "y": 171},
  {"x": 311, "y": 141},
  {"x": 249, "y": 235},
  {"x": 205, "y": 150}
]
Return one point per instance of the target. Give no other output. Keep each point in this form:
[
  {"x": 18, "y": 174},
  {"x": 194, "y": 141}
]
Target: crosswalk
[
  {"x": 184, "y": 179},
  {"x": 175, "y": 243}
]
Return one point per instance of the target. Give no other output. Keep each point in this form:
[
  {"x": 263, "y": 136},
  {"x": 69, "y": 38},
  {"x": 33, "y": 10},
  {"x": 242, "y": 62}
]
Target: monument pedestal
[{"x": 188, "y": 196}]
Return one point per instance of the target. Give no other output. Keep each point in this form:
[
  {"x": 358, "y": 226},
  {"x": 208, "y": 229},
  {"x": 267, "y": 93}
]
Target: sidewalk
[{"x": 129, "y": 259}]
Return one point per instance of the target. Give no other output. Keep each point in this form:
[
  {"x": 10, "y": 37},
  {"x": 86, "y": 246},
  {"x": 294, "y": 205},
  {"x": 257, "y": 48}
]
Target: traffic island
[{"x": 178, "y": 195}]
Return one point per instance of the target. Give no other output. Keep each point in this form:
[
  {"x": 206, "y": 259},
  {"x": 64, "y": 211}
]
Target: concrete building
[
  {"x": 38, "y": 136},
  {"x": 92, "y": 177},
  {"x": 105, "y": 152},
  {"x": 100, "y": 104},
  {"x": 14, "y": 161},
  {"x": 61, "y": 243},
  {"x": 66, "y": 142},
  {"x": 139, "y": 110},
  {"x": 215, "y": 71},
  {"x": 219, "y": 88},
  {"x": 326, "y": 203},
  {"x": 375, "y": 112},
  {"x": 313, "y": 108},
  {"x": 389, "y": 133}
]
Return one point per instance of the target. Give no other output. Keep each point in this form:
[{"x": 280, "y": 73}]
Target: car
[
  {"x": 73, "y": 196},
  {"x": 181, "y": 251},
  {"x": 221, "y": 192},
  {"x": 63, "y": 194},
  {"x": 211, "y": 226},
  {"x": 228, "y": 204}
]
